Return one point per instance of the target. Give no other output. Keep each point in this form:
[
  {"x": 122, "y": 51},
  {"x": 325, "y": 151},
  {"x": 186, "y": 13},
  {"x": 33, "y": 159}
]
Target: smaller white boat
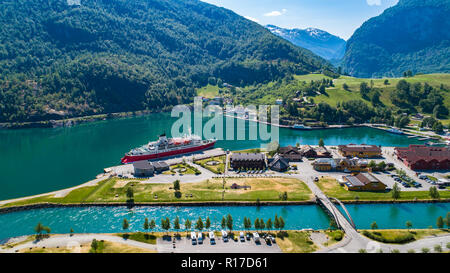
[
  {"x": 395, "y": 131},
  {"x": 301, "y": 127}
]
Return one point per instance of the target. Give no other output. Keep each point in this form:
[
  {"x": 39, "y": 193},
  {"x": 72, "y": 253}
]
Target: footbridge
[{"x": 345, "y": 209}]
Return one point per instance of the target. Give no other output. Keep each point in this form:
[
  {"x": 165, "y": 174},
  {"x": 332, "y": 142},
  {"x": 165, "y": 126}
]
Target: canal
[{"x": 109, "y": 219}]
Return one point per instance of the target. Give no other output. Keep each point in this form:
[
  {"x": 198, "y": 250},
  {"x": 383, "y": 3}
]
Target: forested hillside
[
  {"x": 60, "y": 60},
  {"x": 413, "y": 35}
]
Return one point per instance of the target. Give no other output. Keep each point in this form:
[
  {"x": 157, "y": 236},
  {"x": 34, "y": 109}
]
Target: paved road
[{"x": 76, "y": 240}]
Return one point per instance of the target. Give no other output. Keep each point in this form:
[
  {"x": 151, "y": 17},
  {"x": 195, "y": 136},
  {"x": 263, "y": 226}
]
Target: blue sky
[{"x": 339, "y": 17}]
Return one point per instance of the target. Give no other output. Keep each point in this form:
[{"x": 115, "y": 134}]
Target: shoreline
[
  {"x": 11, "y": 209},
  {"x": 73, "y": 121}
]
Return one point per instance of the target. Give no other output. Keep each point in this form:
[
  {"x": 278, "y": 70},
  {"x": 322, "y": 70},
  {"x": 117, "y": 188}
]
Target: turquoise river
[
  {"x": 34, "y": 161},
  {"x": 109, "y": 219}
]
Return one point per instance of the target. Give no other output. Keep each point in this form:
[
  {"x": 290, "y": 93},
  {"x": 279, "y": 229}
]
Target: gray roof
[
  {"x": 279, "y": 162},
  {"x": 354, "y": 181},
  {"x": 143, "y": 165},
  {"x": 247, "y": 156}
]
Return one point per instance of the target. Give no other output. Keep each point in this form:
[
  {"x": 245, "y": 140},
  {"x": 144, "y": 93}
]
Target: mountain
[
  {"x": 320, "y": 42},
  {"x": 412, "y": 35},
  {"x": 62, "y": 58}
]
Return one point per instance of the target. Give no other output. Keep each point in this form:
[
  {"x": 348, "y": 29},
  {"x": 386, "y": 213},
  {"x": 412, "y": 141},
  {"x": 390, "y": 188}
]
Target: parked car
[
  {"x": 256, "y": 237},
  {"x": 224, "y": 236},
  {"x": 272, "y": 239},
  {"x": 248, "y": 236},
  {"x": 193, "y": 238},
  {"x": 212, "y": 238},
  {"x": 241, "y": 236},
  {"x": 316, "y": 179},
  {"x": 200, "y": 238}
]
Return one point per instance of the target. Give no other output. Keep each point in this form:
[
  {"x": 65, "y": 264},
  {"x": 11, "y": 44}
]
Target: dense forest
[
  {"x": 413, "y": 35},
  {"x": 61, "y": 60}
]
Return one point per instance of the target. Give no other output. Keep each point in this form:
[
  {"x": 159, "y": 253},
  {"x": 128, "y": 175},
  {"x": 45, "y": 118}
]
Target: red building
[{"x": 421, "y": 157}]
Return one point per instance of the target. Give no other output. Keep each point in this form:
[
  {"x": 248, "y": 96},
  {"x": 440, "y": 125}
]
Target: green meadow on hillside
[{"x": 335, "y": 94}]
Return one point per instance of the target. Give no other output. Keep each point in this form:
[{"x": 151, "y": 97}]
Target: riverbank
[
  {"x": 111, "y": 191},
  {"x": 69, "y": 122}
]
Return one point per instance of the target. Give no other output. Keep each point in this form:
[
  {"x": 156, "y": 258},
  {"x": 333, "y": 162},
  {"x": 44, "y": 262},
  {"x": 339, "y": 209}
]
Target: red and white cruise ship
[{"x": 166, "y": 147}]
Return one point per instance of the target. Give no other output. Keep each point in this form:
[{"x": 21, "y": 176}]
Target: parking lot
[{"x": 184, "y": 245}]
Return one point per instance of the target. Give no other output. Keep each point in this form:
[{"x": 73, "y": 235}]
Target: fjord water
[
  {"x": 34, "y": 161},
  {"x": 109, "y": 219}
]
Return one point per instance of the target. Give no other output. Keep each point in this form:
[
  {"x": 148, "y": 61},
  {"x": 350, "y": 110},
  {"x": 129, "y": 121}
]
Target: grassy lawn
[
  {"x": 296, "y": 242},
  {"x": 217, "y": 169},
  {"x": 402, "y": 236},
  {"x": 103, "y": 247},
  {"x": 181, "y": 168},
  {"x": 209, "y": 91},
  {"x": 114, "y": 190},
  {"x": 334, "y": 236},
  {"x": 332, "y": 188}
]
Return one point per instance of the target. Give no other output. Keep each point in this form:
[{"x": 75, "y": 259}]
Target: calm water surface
[{"x": 34, "y": 161}]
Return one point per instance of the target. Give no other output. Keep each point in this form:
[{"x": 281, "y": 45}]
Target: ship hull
[{"x": 131, "y": 158}]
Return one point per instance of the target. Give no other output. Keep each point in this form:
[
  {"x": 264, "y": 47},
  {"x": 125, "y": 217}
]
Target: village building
[
  {"x": 248, "y": 161},
  {"x": 308, "y": 151},
  {"x": 279, "y": 164},
  {"x": 161, "y": 166},
  {"x": 360, "y": 151},
  {"x": 322, "y": 152},
  {"x": 143, "y": 168},
  {"x": 293, "y": 154},
  {"x": 421, "y": 157},
  {"x": 340, "y": 164},
  {"x": 363, "y": 182}
]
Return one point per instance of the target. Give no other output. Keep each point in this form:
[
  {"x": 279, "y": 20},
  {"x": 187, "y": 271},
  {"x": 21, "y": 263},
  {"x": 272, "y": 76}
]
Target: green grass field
[
  {"x": 114, "y": 191},
  {"x": 338, "y": 94},
  {"x": 332, "y": 188},
  {"x": 209, "y": 91},
  {"x": 394, "y": 235}
]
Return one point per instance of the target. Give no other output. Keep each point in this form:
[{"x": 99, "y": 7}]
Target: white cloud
[
  {"x": 275, "y": 13},
  {"x": 373, "y": 2},
  {"x": 252, "y": 19}
]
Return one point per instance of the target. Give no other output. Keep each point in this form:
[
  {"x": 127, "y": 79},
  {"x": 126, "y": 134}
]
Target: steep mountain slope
[
  {"x": 59, "y": 59},
  {"x": 413, "y": 35},
  {"x": 318, "y": 41}
]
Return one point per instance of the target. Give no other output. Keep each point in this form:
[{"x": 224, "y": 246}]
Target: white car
[
  {"x": 224, "y": 236},
  {"x": 212, "y": 239},
  {"x": 256, "y": 237},
  {"x": 241, "y": 236},
  {"x": 193, "y": 238}
]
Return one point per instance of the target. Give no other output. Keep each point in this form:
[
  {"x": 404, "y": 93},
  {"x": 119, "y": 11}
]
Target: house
[
  {"x": 248, "y": 161},
  {"x": 421, "y": 157},
  {"x": 293, "y": 154},
  {"x": 279, "y": 164},
  {"x": 361, "y": 151},
  {"x": 363, "y": 182},
  {"x": 308, "y": 152},
  {"x": 340, "y": 164},
  {"x": 143, "y": 168},
  {"x": 323, "y": 152},
  {"x": 238, "y": 187},
  {"x": 161, "y": 166}
]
